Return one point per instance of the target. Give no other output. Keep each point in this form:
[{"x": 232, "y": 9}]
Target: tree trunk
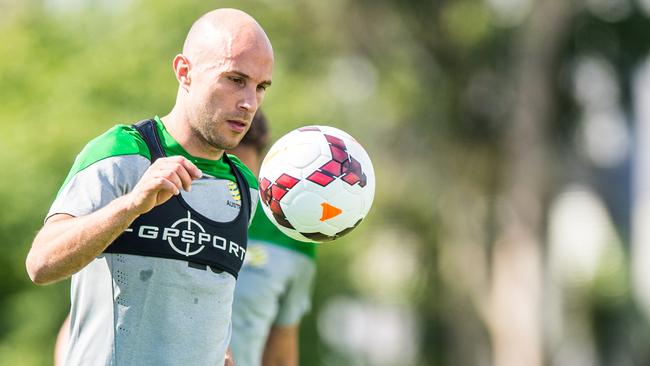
[{"x": 514, "y": 309}]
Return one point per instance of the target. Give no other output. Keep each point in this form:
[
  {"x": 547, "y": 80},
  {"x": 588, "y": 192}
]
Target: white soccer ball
[{"x": 316, "y": 183}]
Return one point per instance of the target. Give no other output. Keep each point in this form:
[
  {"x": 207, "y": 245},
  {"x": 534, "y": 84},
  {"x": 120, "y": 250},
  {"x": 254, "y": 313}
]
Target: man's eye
[
  {"x": 261, "y": 87},
  {"x": 236, "y": 80}
]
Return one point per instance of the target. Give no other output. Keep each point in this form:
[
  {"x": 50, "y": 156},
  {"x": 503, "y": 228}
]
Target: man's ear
[{"x": 182, "y": 70}]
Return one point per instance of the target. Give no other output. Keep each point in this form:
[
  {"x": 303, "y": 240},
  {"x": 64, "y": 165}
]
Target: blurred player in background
[{"x": 274, "y": 287}]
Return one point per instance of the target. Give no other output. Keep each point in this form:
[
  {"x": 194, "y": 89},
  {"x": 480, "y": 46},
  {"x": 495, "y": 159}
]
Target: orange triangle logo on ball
[{"x": 329, "y": 211}]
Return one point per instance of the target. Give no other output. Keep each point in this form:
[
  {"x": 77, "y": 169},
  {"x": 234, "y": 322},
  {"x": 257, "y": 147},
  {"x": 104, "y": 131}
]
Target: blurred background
[{"x": 510, "y": 140}]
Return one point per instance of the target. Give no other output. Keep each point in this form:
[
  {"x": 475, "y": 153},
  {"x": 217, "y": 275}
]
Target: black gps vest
[{"x": 174, "y": 230}]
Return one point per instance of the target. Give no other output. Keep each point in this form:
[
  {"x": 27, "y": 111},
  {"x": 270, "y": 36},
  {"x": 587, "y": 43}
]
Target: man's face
[{"x": 226, "y": 92}]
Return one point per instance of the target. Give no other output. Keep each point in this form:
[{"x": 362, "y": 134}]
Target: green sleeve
[{"x": 119, "y": 140}]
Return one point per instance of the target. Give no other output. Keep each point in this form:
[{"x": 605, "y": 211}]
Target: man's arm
[
  {"x": 66, "y": 244},
  {"x": 281, "y": 346},
  {"x": 61, "y": 345}
]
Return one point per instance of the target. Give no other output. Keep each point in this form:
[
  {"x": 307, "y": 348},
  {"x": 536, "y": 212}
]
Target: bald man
[{"x": 151, "y": 222}]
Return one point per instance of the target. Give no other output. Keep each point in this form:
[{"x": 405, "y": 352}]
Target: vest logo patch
[
  {"x": 234, "y": 191},
  {"x": 187, "y": 237}
]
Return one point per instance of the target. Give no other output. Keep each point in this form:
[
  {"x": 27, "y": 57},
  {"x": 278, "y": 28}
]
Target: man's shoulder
[{"x": 118, "y": 140}]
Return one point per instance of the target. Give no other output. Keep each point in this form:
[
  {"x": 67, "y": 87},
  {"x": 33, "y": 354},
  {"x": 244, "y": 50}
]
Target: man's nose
[{"x": 249, "y": 101}]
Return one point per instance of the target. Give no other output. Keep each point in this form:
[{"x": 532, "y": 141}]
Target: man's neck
[{"x": 179, "y": 128}]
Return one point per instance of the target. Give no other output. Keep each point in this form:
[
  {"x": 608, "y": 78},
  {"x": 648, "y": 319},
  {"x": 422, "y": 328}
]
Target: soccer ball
[{"x": 316, "y": 183}]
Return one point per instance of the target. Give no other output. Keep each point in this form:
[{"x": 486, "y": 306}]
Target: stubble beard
[{"x": 207, "y": 132}]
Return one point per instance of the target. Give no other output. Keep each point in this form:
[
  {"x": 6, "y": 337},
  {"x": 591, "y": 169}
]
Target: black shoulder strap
[{"x": 148, "y": 131}]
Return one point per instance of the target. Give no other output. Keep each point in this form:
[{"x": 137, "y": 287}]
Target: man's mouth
[{"x": 236, "y": 125}]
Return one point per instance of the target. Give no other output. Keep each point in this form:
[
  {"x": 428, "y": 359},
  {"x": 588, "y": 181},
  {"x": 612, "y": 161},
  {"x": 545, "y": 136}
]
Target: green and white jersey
[
  {"x": 274, "y": 288},
  {"x": 135, "y": 310}
]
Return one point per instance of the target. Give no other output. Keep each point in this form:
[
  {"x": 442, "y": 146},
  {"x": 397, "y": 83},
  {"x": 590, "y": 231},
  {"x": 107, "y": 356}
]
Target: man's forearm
[{"x": 66, "y": 244}]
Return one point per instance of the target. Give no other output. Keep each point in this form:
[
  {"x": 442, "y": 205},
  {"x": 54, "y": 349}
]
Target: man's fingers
[
  {"x": 164, "y": 179},
  {"x": 182, "y": 167},
  {"x": 172, "y": 176},
  {"x": 194, "y": 171},
  {"x": 165, "y": 184},
  {"x": 183, "y": 175}
]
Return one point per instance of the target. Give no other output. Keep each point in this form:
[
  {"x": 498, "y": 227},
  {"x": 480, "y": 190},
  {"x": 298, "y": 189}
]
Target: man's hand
[{"x": 164, "y": 179}]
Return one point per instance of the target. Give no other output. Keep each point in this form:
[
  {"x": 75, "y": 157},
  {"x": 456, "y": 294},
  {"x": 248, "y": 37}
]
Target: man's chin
[
  {"x": 225, "y": 145},
  {"x": 232, "y": 144}
]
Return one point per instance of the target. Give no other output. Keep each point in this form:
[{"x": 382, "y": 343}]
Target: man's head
[{"x": 225, "y": 67}]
